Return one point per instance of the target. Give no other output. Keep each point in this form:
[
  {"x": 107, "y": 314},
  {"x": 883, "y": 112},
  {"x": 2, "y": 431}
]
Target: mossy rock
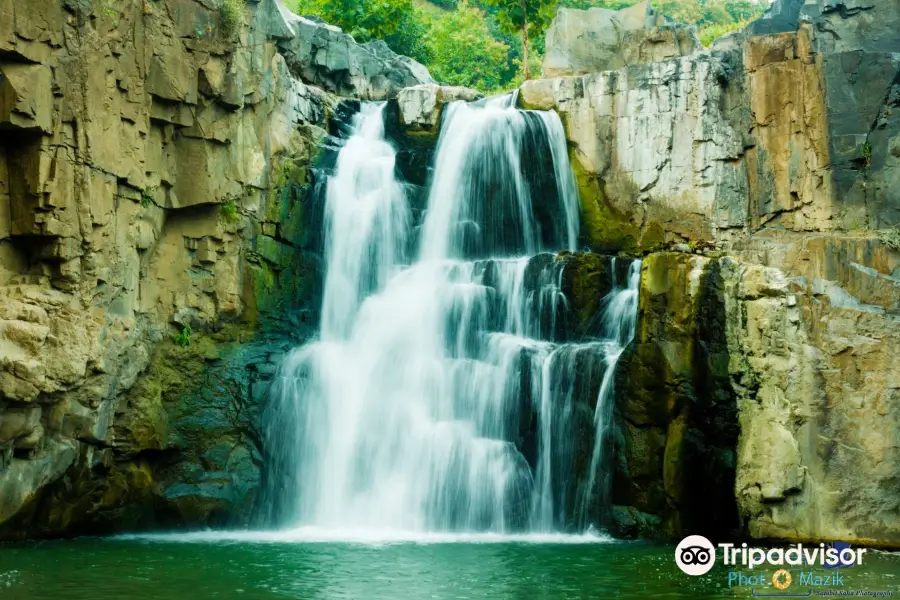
[
  {"x": 674, "y": 387},
  {"x": 603, "y": 228},
  {"x": 627, "y": 522},
  {"x": 586, "y": 280}
]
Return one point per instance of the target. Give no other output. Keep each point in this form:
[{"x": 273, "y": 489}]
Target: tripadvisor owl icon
[{"x": 695, "y": 555}]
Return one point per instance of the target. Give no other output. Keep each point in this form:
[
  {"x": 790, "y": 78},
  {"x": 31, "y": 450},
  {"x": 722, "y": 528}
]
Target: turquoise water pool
[{"x": 270, "y": 566}]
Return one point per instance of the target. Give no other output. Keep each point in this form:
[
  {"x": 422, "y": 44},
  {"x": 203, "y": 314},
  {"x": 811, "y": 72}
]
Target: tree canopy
[
  {"x": 492, "y": 45},
  {"x": 530, "y": 17},
  {"x": 465, "y": 53}
]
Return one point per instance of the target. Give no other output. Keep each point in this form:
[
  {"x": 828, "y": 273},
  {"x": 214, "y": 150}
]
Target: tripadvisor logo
[{"x": 695, "y": 555}]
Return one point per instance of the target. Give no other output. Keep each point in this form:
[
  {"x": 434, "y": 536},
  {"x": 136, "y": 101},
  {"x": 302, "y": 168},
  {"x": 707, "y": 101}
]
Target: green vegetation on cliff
[
  {"x": 530, "y": 17},
  {"x": 468, "y": 54},
  {"x": 482, "y": 44},
  {"x": 233, "y": 17}
]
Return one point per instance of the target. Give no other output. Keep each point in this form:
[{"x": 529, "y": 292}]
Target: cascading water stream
[
  {"x": 439, "y": 394},
  {"x": 619, "y": 310}
]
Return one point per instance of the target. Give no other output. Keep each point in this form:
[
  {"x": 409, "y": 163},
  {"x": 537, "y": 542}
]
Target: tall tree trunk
[
  {"x": 525, "y": 37},
  {"x": 525, "y": 47}
]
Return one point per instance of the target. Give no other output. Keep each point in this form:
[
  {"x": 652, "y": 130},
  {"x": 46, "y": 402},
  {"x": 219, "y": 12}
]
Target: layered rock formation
[
  {"x": 759, "y": 392},
  {"x": 156, "y": 162},
  {"x": 324, "y": 56},
  {"x": 758, "y": 398},
  {"x": 793, "y": 130}
]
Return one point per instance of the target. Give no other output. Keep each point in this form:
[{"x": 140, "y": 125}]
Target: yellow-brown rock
[
  {"x": 775, "y": 397},
  {"x": 142, "y": 197}
]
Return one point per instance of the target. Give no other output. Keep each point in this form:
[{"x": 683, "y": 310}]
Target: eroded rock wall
[
  {"x": 789, "y": 124},
  {"x": 157, "y": 162},
  {"x": 757, "y": 398},
  {"x": 677, "y": 414},
  {"x": 653, "y": 163}
]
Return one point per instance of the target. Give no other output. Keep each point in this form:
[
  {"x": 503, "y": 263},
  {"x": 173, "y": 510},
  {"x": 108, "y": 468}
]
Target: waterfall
[
  {"x": 619, "y": 314},
  {"x": 442, "y": 391},
  {"x": 366, "y": 222}
]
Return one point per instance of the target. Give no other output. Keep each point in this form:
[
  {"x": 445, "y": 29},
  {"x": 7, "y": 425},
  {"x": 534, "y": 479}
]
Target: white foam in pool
[{"x": 366, "y": 536}]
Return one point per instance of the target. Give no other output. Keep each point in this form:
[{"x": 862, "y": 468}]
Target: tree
[
  {"x": 715, "y": 13},
  {"x": 745, "y": 10},
  {"x": 585, "y": 4},
  {"x": 463, "y": 51},
  {"x": 683, "y": 11},
  {"x": 411, "y": 37},
  {"x": 525, "y": 16},
  {"x": 363, "y": 19}
]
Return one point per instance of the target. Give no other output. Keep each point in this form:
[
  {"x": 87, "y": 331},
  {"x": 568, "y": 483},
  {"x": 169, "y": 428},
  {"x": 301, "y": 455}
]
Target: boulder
[
  {"x": 23, "y": 479},
  {"x": 421, "y": 105},
  {"x": 25, "y": 98}
]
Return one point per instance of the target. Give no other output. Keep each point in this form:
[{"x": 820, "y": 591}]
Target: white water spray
[{"x": 414, "y": 408}]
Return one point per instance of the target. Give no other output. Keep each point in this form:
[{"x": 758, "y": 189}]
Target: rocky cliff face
[
  {"x": 794, "y": 130},
  {"x": 758, "y": 399},
  {"x": 156, "y": 166},
  {"x": 760, "y": 387},
  {"x": 818, "y": 454},
  {"x": 586, "y": 41}
]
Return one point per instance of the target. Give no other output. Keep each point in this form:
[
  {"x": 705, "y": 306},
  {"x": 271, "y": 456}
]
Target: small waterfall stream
[{"x": 442, "y": 391}]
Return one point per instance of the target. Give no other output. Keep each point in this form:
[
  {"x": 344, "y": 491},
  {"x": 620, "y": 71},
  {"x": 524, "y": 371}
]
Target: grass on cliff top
[{"x": 233, "y": 17}]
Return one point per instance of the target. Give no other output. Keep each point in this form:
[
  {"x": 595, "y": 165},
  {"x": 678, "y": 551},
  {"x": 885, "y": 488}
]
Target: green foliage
[
  {"x": 402, "y": 25},
  {"x": 230, "y": 211},
  {"x": 867, "y": 154},
  {"x": 480, "y": 43},
  {"x": 516, "y": 15},
  {"x": 412, "y": 37},
  {"x": 363, "y": 19},
  {"x": 112, "y": 13},
  {"x": 147, "y": 199},
  {"x": 714, "y": 13},
  {"x": 183, "y": 338},
  {"x": 711, "y": 33},
  {"x": 585, "y": 4},
  {"x": 698, "y": 12},
  {"x": 744, "y": 10},
  {"x": 233, "y": 17},
  {"x": 530, "y": 17},
  {"x": 513, "y": 43},
  {"x": 464, "y": 51},
  {"x": 683, "y": 11}
]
